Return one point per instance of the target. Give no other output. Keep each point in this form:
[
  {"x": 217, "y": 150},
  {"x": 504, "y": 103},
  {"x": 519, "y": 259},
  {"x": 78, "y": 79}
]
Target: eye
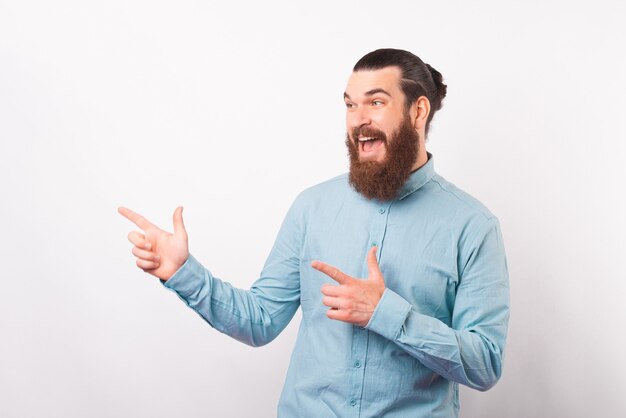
[
  {"x": 377, "y": 102},
  {"x": 349, "y": 105}
]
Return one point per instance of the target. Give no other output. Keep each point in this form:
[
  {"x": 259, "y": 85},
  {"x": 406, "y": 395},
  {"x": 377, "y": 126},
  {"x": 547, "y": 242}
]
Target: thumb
[
  {"x": 179, "y": 226},
  {"x": 372, "y": 266}
]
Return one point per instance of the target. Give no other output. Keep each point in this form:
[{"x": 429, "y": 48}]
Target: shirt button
[
  {"x": 373, "y": 244},
  {"x": 381, "y": 211},
  {"x": 357, "y": 364},
  {"x": 353, "y": 402}
]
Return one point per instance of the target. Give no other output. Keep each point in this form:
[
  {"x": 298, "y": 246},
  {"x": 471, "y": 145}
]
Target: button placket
[{"x": 360, "y": 335}]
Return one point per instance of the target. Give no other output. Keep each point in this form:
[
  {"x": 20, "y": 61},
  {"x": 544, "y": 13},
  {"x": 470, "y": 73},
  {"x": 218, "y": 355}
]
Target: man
[{"x": 401, "y": 276}]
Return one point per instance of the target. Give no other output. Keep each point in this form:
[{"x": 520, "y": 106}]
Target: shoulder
[
  {"x": 312, "y": 198},
  {"x": 337, "y": 185},
  {"x": 459, "y": 201},
  {"x": 461, "y": 212}
]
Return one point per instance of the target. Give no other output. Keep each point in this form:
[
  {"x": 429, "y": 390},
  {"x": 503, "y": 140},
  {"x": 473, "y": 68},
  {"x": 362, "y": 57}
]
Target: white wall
[{"x": 231, "y": 109}]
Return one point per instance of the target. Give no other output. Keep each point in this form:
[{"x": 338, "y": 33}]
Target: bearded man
[{"x": 401, "y": 276}]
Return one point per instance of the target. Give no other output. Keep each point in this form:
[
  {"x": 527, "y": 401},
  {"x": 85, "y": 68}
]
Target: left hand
[{"x": 354, "y": 300}]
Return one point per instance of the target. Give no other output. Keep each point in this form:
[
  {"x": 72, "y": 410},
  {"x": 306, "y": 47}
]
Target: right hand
[{"x": 158, "y": 252}]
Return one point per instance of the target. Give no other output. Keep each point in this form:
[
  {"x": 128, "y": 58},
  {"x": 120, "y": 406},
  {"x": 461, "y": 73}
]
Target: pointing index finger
[
  {"x": 135, "y": 218},
  {"x": 332, "y": 272}
]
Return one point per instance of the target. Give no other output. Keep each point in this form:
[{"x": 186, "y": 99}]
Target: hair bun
[{"x": 442, "y": 89}]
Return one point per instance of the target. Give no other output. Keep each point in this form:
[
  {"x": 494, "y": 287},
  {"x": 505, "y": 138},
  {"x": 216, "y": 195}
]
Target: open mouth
[{"x": 369, "y": 143}]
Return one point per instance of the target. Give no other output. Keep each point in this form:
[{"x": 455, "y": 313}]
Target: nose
[{"x": 357, "y": 118}]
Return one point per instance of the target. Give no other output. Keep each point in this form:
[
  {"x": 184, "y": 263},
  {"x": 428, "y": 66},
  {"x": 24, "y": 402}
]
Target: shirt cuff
[
  {"x": 389, "y": 315},
  {"x": 187, "y": 279}
]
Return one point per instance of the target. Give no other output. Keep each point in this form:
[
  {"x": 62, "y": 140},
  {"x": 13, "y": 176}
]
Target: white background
[{"x": 231, "y": 109}]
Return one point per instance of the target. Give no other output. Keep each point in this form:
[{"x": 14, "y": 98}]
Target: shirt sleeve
[
  {"x": 470, "y": 351},
  {"x": 255, "y": 316}
]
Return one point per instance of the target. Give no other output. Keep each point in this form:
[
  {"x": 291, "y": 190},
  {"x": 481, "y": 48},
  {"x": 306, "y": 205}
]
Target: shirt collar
[{"x": 418, "y": 178}]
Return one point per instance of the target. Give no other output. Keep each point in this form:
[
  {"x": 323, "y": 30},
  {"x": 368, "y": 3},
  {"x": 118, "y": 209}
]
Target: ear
[{"x": 419, "y": 112}]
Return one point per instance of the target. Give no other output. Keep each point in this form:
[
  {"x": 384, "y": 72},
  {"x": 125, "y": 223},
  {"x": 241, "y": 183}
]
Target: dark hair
[{"x": 418, "y": 78}]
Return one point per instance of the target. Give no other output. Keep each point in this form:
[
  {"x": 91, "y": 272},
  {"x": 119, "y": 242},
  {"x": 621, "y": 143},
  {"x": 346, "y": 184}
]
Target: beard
[{"x": 383, "y": 180}]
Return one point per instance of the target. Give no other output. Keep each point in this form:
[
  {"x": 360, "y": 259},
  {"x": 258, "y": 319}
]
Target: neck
[{"x": 422, "y": 158}]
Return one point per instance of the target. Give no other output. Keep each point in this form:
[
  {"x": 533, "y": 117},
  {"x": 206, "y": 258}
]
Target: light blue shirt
[{"x": 441, "y": 321}]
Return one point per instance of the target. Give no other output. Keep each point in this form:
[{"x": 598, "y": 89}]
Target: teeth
[{"x": 367, "y": 138}]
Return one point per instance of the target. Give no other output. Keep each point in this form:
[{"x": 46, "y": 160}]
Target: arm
[
  {"x": 470, "y": 352},
  {"x": 254, "y": 316}
]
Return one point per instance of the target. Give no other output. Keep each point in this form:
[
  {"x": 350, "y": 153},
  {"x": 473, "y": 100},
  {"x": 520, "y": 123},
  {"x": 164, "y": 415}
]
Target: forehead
[{"x": 362, "y": 81}]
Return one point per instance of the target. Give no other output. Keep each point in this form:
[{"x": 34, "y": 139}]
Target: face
[
  {"x": 382, "y": 143},
  {"x": 375, "y": 109}
]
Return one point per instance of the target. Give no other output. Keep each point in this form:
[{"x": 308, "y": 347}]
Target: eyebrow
[{"x": 368, "y": 93}]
